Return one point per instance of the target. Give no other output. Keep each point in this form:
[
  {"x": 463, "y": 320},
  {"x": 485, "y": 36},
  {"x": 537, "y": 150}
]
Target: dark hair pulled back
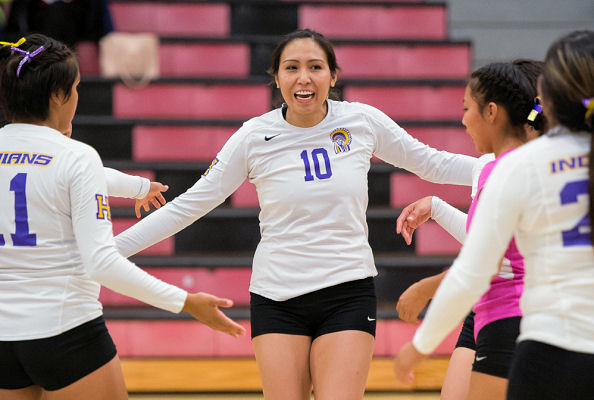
[
  {"x": 510, "y": 85},
  {"x": 53, "y": 71}
]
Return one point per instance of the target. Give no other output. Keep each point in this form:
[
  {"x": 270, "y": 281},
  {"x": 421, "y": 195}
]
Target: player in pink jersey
[
  {"x": 542, "y": 195},
  {"x": 498, "y": 102}
]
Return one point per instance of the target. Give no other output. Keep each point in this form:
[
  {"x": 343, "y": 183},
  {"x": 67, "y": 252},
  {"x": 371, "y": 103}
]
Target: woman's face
[
  {"x": 304, "y": 79},
  {"x": 475, "y": 123}
]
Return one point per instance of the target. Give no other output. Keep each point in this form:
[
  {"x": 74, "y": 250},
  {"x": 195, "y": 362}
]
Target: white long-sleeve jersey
[
  {"x": 312, "y": 190},
  {"x": 56, "y": 243},
  {"x": 449, "y": 217},
  {"x": 538, "y": 194},
  {"x": 120, "y": 184}
]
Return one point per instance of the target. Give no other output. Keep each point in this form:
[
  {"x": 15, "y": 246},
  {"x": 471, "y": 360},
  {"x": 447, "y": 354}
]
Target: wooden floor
[
  {"x": 252, "y": 396},
  {"x": 241, "y": 376}
]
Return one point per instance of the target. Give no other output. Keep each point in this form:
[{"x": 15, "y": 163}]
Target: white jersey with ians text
[
  {"x": 539, "y": 194},
  {"x": 56, "y": 241},
  {"x": 312, "y": 190}
]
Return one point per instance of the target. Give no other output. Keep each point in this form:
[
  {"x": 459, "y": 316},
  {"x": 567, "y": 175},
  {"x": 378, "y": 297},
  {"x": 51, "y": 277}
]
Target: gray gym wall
[{"x": 502, "y": 30}]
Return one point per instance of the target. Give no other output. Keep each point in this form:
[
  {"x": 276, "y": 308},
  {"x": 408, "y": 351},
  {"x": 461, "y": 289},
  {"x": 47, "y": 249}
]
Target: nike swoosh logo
[
  {"x": 370, "y": 319},
  {"x": 267, "y": 138},
  {"x": 480, "y": 358}
]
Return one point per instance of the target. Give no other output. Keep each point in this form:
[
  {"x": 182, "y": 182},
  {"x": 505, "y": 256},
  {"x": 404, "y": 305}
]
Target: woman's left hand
[
  {"x": 154, "y": 197},
  {"x": 406, "y": 361}
]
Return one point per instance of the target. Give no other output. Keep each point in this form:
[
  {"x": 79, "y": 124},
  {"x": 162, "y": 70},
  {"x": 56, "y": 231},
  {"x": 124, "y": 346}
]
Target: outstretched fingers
[
  {"x": 223, "y": 323},
  {"x": 205, "y": 308},
  {"x": 154, "y": 197}
]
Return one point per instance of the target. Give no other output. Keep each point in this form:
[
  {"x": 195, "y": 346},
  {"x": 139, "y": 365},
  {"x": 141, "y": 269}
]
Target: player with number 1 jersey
[
  {"x": 55, "y": 206},
  {"x": 56, "y": 240}
]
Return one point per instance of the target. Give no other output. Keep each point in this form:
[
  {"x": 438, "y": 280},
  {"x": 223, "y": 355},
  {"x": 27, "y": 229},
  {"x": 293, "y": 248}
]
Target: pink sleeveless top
[{"x": 502, "y": 300}]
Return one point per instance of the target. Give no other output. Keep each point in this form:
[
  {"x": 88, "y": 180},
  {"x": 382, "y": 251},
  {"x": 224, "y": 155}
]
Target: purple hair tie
[{"x": 28, "y": 56}]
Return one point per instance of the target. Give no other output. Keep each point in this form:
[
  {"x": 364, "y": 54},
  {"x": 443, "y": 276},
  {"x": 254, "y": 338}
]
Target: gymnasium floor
[{"x": 252, "y": 396}]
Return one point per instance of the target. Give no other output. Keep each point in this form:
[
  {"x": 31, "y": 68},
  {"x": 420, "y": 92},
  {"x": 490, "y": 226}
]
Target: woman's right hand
[
  {"x": 205, "y": 308},
  {"x": 413, "y": 216},
  {"x": 154, "y": 197}
]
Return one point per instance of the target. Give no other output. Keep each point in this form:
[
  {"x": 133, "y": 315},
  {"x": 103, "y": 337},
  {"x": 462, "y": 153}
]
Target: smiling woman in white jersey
[
  {"x": 313, "y": 305},
  {"x": 56, "y": 241},
  {"x": 542, "y": 194}
]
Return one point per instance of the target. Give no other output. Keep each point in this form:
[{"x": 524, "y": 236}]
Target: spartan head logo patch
[{"x": 341, "y": 139}]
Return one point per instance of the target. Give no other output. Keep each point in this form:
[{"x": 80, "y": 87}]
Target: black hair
[
  {"x": 532, "y": 69},
  {"x": 317, "y": 37},
  {"x": 510, "y": 85},
  {"x": 567, "y": 80},
  {"x": 52, "y": 71}
]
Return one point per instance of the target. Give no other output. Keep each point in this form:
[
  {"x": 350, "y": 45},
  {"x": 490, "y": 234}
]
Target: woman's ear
[
  {"x": 334, "y": 79},
  {"x": 57, "y": 98},
  {"x": 276, "y": 81},
  {"x": 491, "y": 112}
]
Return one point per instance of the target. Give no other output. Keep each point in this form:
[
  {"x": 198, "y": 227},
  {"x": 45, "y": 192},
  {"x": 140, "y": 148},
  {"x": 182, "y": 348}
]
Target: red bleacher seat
[
  {"x": 88, "y": 58},
  {"x": 391, "y": 335},
  {"x": 175, "y": 339},
  {"x": 172, "y": 19},
  {"x": 191, "y": 101},
  {"x": 375, "y": 21},
  {"x": 187, "y": 59},
  {"x": 192, "y": 339},
  {"x": 178, "y": 143},
  {"x": 245, "y": 196},
  {"x": 411, "y": 102},
  {"x": 204, "y": 59},
  {"x": 403, "y": 61},
  {"x": 227, "y": 282},
  {"x": 408, "y": 188},
  {"x": 454, "y": 140},
  {"x": 165, "y": 247},
  {"x": 432, "y": 239}
]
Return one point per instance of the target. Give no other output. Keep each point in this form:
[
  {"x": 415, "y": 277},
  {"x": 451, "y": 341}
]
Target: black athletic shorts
[
  {"x": 466, "y": 337},
  {"x": 540, "y": 371},
  {"x": 347, "y": 306},
  {"x": 56, "y": 362},
  {"x": 495, "y": 345}
]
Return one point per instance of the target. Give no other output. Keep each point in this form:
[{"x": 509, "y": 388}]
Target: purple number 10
[
  {"x": 569, "y": 194},
  {"x": 21, "y": 236},
  {"x": 315, "y": 155}
]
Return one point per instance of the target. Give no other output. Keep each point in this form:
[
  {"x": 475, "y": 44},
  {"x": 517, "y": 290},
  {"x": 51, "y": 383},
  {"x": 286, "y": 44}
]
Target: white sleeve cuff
[
  {"x": 145, "y": 185},
  {"x": 120, "y": 184},
  {"x": 449, "y": 218}
]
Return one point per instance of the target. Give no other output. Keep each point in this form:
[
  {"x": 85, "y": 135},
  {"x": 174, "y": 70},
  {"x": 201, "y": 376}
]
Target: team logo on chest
[{"x": 342, "y": 140}]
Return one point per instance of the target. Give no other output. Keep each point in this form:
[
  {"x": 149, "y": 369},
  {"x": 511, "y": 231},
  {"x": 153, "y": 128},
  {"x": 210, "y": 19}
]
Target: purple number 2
[
  {"x": 21, "y": 236},
  {"x": 578, "y": 235}
]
